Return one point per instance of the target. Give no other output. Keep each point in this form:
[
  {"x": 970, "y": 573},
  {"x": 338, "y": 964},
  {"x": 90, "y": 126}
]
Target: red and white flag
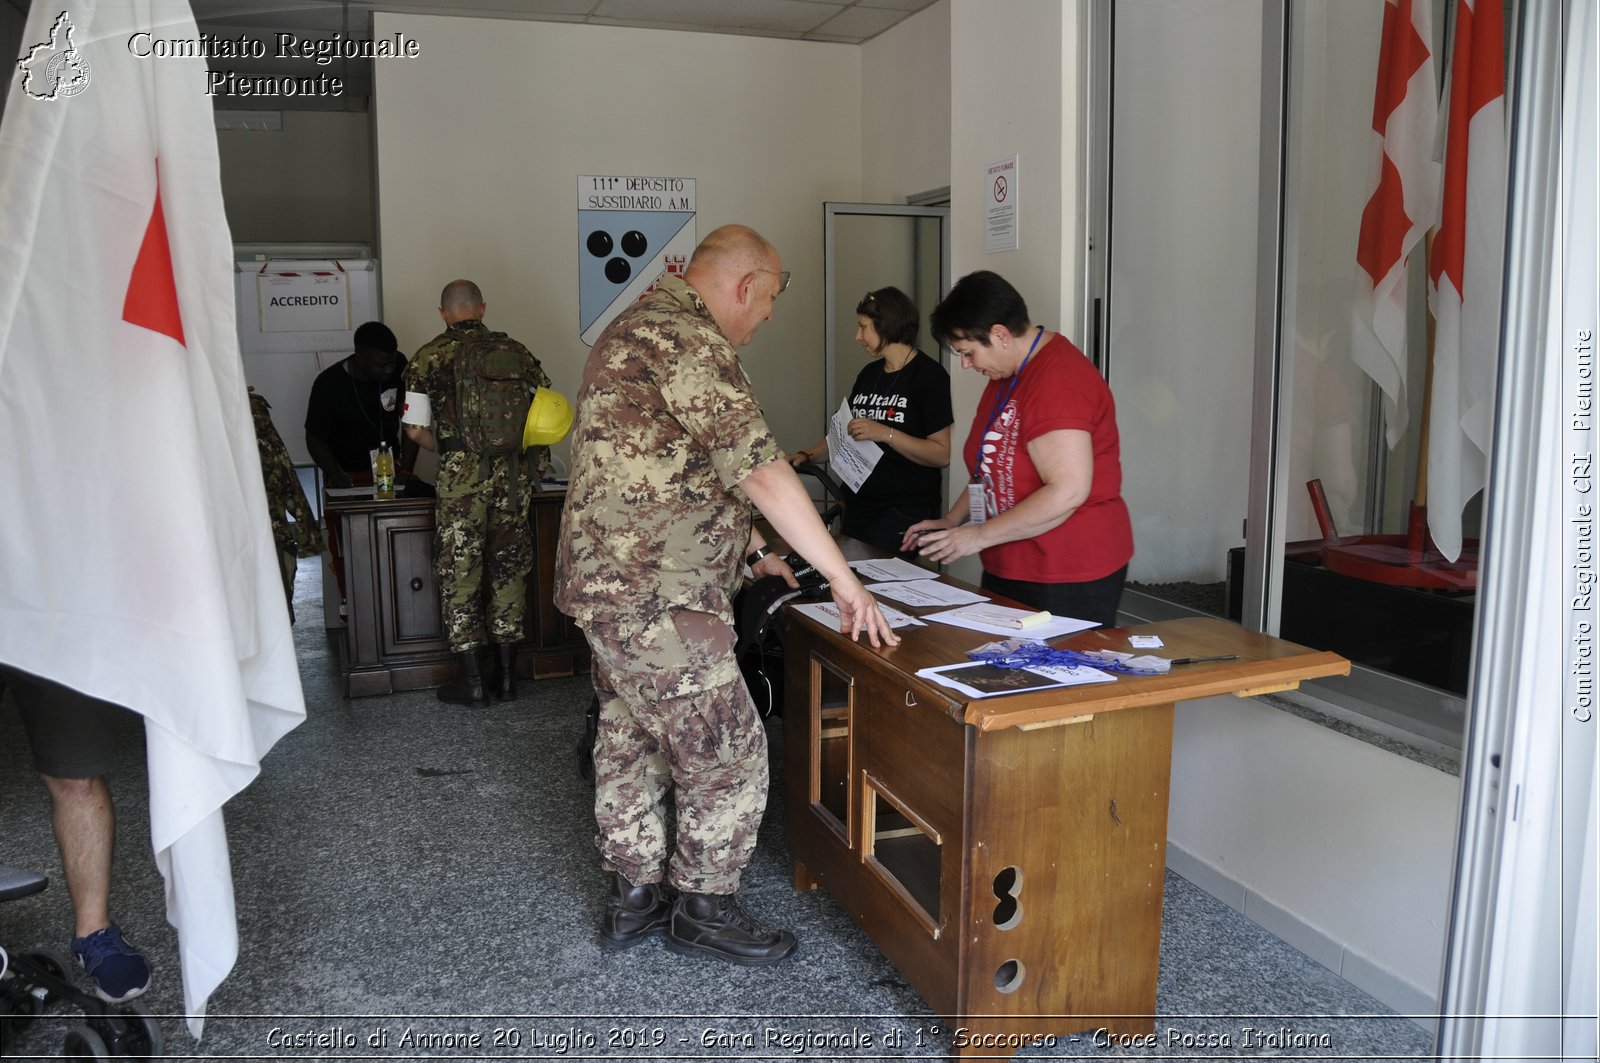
[
  {"x": 136, "y": 555},
  {"x": 1403, "y": 201},
  {"x": 1465, "y": 273}
]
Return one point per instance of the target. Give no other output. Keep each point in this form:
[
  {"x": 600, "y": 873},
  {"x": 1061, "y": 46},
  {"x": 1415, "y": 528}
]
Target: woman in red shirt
[{"x": 1043, "y": 507}]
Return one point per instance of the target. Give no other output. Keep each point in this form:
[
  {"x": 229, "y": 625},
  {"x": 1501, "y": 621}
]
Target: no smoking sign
[{"x": 1000, "y": 213}]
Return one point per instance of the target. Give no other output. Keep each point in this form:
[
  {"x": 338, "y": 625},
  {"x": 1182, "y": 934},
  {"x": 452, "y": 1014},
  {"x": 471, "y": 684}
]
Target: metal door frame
[{"x": 832, "y": 211}]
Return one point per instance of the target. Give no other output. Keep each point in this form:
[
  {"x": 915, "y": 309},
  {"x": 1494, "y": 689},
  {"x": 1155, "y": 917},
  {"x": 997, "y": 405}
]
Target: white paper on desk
[
  {"x": 971, "y": 617},
  {"x": 889, "y": 570},
  {"x": 348, "y": 492},
  {"x": 827, "y": 613},
  {"x": 851, "y": 460},
  {"x": 977, "y": 679},
  {"x": 925, "y": 592}
]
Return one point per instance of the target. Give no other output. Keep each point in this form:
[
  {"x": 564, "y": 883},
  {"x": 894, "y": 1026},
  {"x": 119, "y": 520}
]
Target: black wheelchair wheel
[
  {"x": 83, "y": 1043},
  {"x": 56, "y": 965},
  {"x": 20, "y": 1004},
  {"x": 131, "y": 1032},
  {"x": 144, "y": 1040}
]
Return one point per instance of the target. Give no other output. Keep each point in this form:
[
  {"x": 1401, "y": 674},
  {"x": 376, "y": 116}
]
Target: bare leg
[{"x": 85, "y": 829}]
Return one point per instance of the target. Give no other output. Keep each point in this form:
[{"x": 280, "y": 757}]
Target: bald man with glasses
[{"x": 669, "y": 451}]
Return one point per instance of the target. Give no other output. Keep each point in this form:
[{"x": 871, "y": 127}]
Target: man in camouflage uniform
[
  {"x": 669, "y": 450},
  {"x": 482, "y": 516},
  {"x": 294, "y": 530}
]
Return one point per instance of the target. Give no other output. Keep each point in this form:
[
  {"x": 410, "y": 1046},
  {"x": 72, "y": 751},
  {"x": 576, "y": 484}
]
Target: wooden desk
[
  {"x": 394, "y": 635},
  {"x": 1007, "y": 854}
]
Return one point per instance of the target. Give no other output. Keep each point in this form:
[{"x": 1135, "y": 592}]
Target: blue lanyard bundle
[{"x": 1023, "y": 653}]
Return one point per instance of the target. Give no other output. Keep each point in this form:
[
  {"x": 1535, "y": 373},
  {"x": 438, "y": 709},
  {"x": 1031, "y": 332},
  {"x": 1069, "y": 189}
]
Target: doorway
[{"x": 866, "y": 246}]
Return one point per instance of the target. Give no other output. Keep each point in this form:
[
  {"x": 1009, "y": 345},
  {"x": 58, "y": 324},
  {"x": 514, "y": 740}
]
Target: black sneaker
[
  {"x": 713, "y": 924},
  {"x": 117, "y": 969},
  {"x": 634, "y": 912}
]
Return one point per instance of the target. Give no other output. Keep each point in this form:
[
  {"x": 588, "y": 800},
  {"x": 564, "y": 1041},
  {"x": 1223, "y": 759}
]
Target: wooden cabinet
[
  {"x": 551, "y": 637},
  {"x": 1007, "y": 854},
  {"x": 394, "y": 633}
]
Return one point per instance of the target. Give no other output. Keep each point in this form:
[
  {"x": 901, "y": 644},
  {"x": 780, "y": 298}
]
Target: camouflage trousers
[
  {"x": 674, "y": 713},
  {"x": 480, "y": 535}
]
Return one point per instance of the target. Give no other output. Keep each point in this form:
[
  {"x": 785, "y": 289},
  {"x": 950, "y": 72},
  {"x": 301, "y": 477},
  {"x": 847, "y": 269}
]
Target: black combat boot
[
  {"x": 469, "y": 688},
  {"x": 633, "y": 913},
  {"x": 505, "y": 672},
  {"x": 713, "y": 924}
]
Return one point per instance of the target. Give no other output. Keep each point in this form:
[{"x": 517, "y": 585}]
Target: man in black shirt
[{"x": 355, "y": 404}]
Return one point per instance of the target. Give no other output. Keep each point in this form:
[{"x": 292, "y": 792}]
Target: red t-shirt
[{"x": 1058, "y": 389}]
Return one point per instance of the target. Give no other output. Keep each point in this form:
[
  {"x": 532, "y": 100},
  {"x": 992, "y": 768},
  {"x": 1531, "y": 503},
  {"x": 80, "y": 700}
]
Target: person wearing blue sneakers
[{"x": 74, "y": 748}]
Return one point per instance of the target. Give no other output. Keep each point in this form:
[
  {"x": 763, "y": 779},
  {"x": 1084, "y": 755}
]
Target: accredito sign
[{"x": 304, "y": 302}]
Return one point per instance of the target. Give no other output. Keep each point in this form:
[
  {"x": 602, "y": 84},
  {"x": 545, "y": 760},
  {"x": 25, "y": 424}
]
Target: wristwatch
[{"x": 753, "y": 558}]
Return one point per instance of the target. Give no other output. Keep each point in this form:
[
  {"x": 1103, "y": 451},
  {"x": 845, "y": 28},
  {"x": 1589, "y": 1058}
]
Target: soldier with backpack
[{"x": 467, "y": 396}]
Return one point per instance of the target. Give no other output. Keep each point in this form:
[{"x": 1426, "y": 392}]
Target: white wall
[
  {"x": 905, "y": 108},
  {"x": 1183, "y": 277},
  {"x": 481, "y": 141},
  {"x": 1014, "y": 90},
  {"x": 1341, "y": 848},
  {"x": 310, "y": 181}
]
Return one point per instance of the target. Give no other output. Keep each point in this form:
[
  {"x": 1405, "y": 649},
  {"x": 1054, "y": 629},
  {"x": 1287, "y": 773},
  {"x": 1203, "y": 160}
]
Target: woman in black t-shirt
[{"x": 901, "y": 402}]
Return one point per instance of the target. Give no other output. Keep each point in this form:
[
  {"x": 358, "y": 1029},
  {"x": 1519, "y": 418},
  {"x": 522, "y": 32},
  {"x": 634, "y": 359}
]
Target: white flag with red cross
[
  {"x": 1465, "y": 272},
  {"x": 136, "y": 555},
  {"x": 1403, "y": 201}
]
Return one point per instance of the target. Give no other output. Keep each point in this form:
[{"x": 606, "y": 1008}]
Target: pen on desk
[{"x": 1206, "y": 660}]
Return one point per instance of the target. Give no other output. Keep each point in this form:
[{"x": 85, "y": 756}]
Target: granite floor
[{"x": 417, "y": 881}]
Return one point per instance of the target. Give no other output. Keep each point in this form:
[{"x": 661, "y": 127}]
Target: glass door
[{"x": 866, "y": 246}]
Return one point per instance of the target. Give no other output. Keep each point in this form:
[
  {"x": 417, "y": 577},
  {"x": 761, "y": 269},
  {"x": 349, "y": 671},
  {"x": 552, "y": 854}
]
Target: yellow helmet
[{"x": 549, "y": 418}]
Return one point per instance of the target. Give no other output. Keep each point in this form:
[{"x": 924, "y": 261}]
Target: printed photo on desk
[{"x": 979, "y": 680}]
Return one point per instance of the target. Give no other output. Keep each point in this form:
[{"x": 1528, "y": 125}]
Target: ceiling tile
[
  {"x": 907, "y": 6},
  {"x": 219, "y": 16},
  {"x": 832, "y": 21},
  {"x": 683, "y": 27},
  {"x": 558, "y": 10},
  {"x": 858, "y": 23},
  {"x": 727, "y": 16}
]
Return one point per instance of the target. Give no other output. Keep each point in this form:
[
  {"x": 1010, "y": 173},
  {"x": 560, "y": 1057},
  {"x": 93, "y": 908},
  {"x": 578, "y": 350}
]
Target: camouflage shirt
[
  {"x": 430, "y": 373},
  {"x": 285, "y": 499},
  {"x": 667, "y": 427}
]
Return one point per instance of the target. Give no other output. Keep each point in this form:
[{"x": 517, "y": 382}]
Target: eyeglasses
[{"x": 783, "y": 279}]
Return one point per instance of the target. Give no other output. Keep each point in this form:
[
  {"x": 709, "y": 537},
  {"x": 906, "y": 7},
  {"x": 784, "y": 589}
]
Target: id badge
[{"x": 977, "y": 507}]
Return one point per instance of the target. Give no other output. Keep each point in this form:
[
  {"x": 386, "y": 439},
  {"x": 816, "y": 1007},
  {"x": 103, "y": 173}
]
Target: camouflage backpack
[{"x": 492, "y": 394}]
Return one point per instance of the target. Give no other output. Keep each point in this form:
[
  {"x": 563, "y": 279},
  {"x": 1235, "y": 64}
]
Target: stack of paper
[
  {"x": 920, "y": 593},
  {"x": 828, "y": 614},
  {"x": 1002, "y": 620},
  {"x": 890, "y": 568}
]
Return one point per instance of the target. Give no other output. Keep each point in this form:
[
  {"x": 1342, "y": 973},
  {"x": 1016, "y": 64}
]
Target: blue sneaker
[{"x": 117, "y": 969}]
